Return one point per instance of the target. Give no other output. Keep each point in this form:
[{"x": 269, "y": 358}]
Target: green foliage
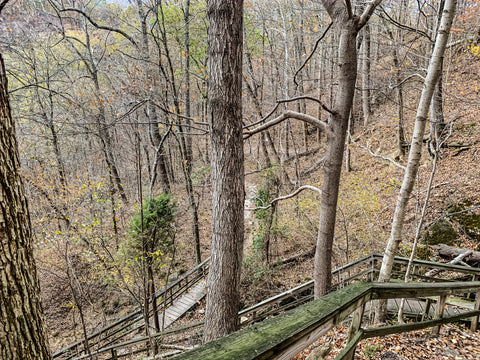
[
  {"x": 265, "y": 194},
  {"x": 255, "y": 269},
  {"x": 158, "y": 230},
  {"x": 200, "y": 175},
  {"x": 423, "y": 253},
  {"x": 371, "y": 350}
]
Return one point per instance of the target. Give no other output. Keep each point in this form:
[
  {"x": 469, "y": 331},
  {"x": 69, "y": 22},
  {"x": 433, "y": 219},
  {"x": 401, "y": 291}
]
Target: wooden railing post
[
  {"x": 114, "y": 354},
  {"x": 474, "y": 322},
  {"x": 426, "y": 311},
  {"x": 354, "y": 328},
  {"x": 439, "y": 312}
]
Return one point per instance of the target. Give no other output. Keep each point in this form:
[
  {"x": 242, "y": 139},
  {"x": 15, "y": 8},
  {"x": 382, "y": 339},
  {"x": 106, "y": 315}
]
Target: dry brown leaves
[{"x": 453, "y": 343}]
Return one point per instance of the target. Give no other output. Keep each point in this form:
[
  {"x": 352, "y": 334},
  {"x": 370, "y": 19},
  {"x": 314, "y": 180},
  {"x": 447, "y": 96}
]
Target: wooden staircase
[{"x": 179, "y": 297}]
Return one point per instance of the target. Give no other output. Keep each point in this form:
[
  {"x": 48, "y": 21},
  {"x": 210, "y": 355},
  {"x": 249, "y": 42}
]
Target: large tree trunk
[
  {"x": 415, "y": 148},
  {"x": 347, "y": 62},
  {"x": 22, "y": 334},
  {"x": 225, "y": 41},
  {"x": 347, "y": 26}
]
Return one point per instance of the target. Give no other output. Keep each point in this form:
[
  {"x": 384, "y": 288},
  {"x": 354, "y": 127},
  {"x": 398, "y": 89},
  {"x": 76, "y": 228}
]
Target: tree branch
[
  {"x": 264, "y": 118},
  {"x": 404, "y": 27},
  {"x": 367, "y": 13},
  {"x": 2, "y": 4},
  {"x": 289, "y": 115},
  {"x": 296, "y": 192},
  {"x": 325, "y": 107},
  {"x": 165, "y": 110},
  {"x": 348, "y": 5},
  {"x": 102, "y": 27},
  {"x": 311, "y": 54},
  {"x": 289, "y": 100}
]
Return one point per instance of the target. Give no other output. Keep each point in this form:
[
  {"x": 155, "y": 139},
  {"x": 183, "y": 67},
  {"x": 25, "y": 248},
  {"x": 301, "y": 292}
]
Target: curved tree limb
[
  {"x": 2, "y": 4},
  {"x": 404, "y": 27},
  {"x": 264, "y": 118},
  {"x": 290, "y": 115},
  {"x": 325, "y": 107},
  {"x": 102, "y": 27},
  {"x": 367, "y": 13},
  {"x": 296, "y": 192},
  {"x": 311, "y": 54}
]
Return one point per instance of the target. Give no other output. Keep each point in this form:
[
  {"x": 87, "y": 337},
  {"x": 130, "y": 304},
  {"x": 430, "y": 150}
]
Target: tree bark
[
  {"x": 225, "y": 39},
  {"x": 347, "y": 26},
  {"x": 22, "y": 334},
  {"x": 415, "y": 149},
  {"x": 366, "y": 75},
  {"x": 347, "y": 60}
]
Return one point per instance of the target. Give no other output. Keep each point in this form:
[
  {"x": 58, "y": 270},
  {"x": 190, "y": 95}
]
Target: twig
[
  {"x": 264, "y": 118},
  {"x": 325, "y": 107},
  {"x": 311, "y": 54},
  {"x": 405, "y": 27}
]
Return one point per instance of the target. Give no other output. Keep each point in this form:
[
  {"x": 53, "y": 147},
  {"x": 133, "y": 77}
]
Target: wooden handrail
[
  {"x": 135, "y": 316},
  {"x": 287, "y": 334},
  {"x": 368, "y": 266}
]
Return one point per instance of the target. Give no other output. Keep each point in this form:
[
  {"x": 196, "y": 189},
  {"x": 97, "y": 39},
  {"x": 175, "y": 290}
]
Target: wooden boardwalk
[
  {"x": 417, "y": 306},
  {"x": 182, "y": 305}
]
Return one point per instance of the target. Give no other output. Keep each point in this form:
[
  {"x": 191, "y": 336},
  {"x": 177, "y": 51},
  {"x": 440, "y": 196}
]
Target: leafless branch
[
  {"x": 296, "y": 192},
  {"x": 289, "y": 115},
  {"x": 2, "y": 4},
  {"x": 311, "y": 54},
  {"x": 383, "y": 157},
  {"x": 348, "y": 5},
  {"x": 367, "y": 13},
  {"x": 325, "y": 107},
  {"x": 264, "y": 118},
  {"x": 405, "y": 27},
  {"x": 102, "y": 27},
  {"x": 164, "y": 109},
  {"x": 464, "y": 210},
  {"x": 436, "y": 186},
  {"x": 319, "y": 163},
  {"x": 284, "y": 101}
]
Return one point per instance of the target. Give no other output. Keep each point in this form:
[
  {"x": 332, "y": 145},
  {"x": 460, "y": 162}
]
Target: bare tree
[
  {"x": 347, "y": 26},
  {"x": 415, "y": 153}
]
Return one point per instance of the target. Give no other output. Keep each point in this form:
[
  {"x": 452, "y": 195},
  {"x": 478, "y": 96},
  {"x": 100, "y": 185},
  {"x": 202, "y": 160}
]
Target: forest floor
[
  {"x": 453, "y": 343},
  {"x": 457, "y": 179}
]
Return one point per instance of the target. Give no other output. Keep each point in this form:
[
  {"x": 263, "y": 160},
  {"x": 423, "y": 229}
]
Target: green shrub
[{"x": 157, "y": 234}]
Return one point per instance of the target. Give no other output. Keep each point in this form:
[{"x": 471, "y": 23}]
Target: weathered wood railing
[
  {"x": 287, "y": 334},
  {"x": 134, "y": 322},
  {"x": 363, "y": 269}
]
